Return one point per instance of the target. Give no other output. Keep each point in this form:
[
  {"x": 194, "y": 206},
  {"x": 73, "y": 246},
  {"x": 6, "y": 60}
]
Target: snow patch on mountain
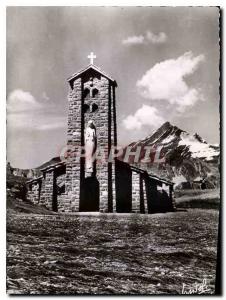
[
  {"x": 169, "y": 139},
  {"x": 178, "y": 179},
  {"x": 197, "y": 148},
  {"x": 186, "y": 156}
]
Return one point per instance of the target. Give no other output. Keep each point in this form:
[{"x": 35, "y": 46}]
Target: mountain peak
[
  {"x": 165, "y": 126},
  {"x": 185, "y": 154},
  {"x": 167, "y": 129},
  {"x": 199, "y": 138},
  {"x": 172, "y": 137}
]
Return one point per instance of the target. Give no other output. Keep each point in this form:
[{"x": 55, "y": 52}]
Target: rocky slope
[{"x": 182, "y": 157}]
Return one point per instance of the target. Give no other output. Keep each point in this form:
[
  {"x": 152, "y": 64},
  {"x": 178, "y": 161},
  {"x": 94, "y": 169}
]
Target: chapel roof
[{"x": 91, "y": 67}]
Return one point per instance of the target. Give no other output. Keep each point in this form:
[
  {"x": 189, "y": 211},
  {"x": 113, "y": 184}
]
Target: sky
[{"x": 165, "y": 61}]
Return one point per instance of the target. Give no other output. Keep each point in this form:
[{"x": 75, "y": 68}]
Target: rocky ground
[{"x": 109, "y": 253}]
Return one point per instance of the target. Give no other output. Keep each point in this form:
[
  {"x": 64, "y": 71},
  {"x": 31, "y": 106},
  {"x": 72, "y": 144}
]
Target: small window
[
  {"x": 94, "y": 107},
  {"x": 86, "y": 92},
  {"x": 85, "y": 108},
  {"x": 94, "y": 93}
]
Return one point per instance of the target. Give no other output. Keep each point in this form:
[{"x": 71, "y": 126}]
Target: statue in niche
[{"x": 90, "y": 147}]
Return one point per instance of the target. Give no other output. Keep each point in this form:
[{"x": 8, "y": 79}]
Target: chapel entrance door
[
  {"x": 90, "y": 194},
  {"x": 123, "y": 184}
]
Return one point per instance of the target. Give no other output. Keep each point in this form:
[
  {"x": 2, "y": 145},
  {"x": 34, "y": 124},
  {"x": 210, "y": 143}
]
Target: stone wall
[
  {"x": 113, "y": 143},
  {"x": 100, "y": 118},
  {"x": 70, "y": 201},
  {"x": 172, "y": 197},
  {"x": 33, "y": 191},
  {"x": 81, "y": 100},
  {"x": 46, "y": 198},
  {"x": 145, "y": 200},
  {"x": 148, "y": 194},
  {"x": 45, "y": 190},
  {"x": 136, "y": 196}
]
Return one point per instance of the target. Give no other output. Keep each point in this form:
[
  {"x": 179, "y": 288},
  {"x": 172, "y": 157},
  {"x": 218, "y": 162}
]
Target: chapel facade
[{"x": 79, "y": 183}]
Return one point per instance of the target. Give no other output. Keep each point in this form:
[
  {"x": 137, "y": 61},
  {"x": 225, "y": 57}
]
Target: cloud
[
  {"x": 35, "y": 121},
  {"x": 148, "y": 38},
  {"x": 146, "y": 115},
  {"x": 156, "y": 38},
  {"x": 20, "y": 101},
  {"x": 25, "y": 113},
  {"x": 166, "y": 81},
  {"x": 133, "y": 40}
]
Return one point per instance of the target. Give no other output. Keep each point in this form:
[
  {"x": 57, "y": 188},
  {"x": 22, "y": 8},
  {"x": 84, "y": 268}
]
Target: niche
[
  {"x": 86, "y": 92},
  {"x": 93, "y": 107},
  {"x": 86, "y": 108},
  {"x": 94, "y": 92}
]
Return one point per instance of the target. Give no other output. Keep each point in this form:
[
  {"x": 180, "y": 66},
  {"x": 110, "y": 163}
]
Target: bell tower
[{"x": 90, "y": 183}]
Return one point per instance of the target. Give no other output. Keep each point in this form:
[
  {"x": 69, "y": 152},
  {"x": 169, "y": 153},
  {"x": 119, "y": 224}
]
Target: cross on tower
[{"x": 91, "y": 57}]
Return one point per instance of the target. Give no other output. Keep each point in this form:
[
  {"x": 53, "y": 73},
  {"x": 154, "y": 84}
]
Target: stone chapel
[{"x": 80, "y": 184}]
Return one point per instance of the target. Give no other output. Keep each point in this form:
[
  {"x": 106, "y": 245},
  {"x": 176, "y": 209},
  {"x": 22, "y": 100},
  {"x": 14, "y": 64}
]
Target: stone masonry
[
  {"x": 87, "y": 91},
  {"x": 66, "y": 187}
]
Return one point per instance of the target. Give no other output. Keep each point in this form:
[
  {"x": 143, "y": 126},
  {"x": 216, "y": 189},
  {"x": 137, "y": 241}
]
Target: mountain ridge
[{"x": 186, "y": 156}]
